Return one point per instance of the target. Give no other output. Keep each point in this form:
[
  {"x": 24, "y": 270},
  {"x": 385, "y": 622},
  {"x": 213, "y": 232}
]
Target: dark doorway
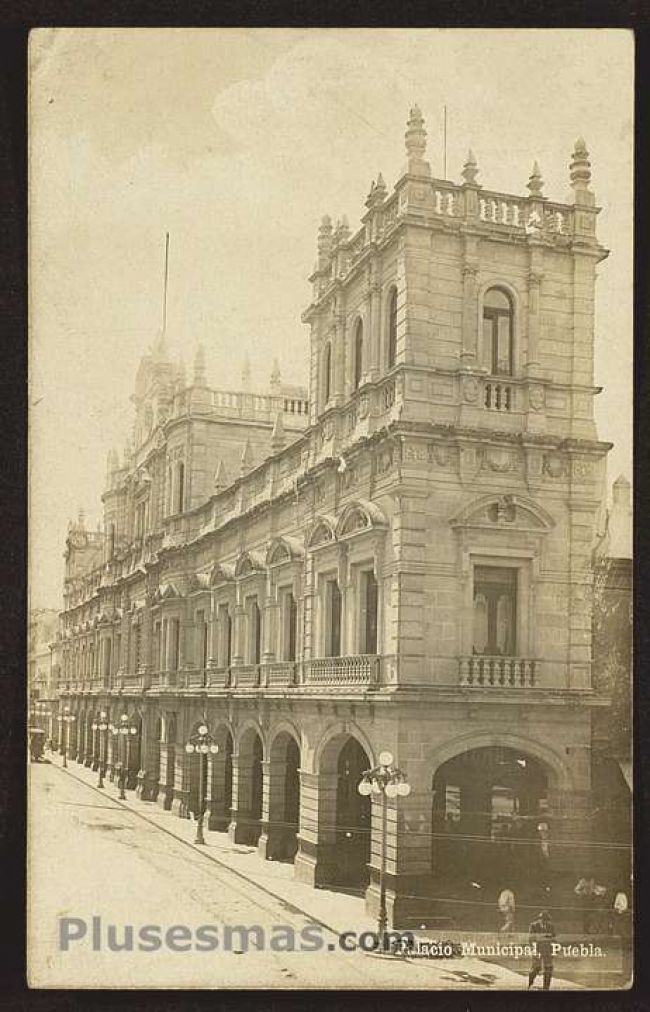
[
  {"x": 488, "y": 806},
  {"x": 352, "y": 819}
]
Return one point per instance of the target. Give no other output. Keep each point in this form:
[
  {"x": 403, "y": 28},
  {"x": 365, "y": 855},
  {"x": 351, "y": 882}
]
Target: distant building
[
  {"x": 401, "y": 560},
  {"x": 612, "y": 678},
  {"x": 42, "y": 633}
]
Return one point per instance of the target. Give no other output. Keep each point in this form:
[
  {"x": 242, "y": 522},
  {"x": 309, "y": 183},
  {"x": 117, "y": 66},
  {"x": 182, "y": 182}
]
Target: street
[{"x": 91, "y": 856}]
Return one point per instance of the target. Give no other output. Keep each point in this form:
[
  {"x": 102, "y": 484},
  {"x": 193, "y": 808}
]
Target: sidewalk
[{"x": 335, "y": 911}]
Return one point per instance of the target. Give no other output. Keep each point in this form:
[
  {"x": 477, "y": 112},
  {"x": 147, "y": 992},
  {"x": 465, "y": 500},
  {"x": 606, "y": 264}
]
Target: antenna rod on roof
[
  {"x": 164, "y": 318},
  {"x": 444, "y": 144}
]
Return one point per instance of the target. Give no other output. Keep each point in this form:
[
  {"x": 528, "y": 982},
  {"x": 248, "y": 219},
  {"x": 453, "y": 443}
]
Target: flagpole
[
  {"x": 444, "y": 144},
  {"x": 164, "y": 314}
]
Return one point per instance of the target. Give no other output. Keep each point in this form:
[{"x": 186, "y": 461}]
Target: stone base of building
[
  {"x": 180, "y": 803},
  {"x": 244, "y": 828},
  {"x": 164, "y": 797}
]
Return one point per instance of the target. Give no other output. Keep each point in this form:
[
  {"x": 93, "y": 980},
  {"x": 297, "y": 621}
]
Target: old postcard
[{"x": 330, "y": 515}]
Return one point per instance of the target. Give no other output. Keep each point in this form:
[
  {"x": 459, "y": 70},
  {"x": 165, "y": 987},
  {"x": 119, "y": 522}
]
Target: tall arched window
[
  {"x": 392, "y": 328},
  {"x": 358, "y": 354},
  {"x": 498, "y": 332},
  {"x": 327, "y": 373}
]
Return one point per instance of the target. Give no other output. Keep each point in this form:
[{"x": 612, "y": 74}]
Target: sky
[{"x": 237, "y": 142}]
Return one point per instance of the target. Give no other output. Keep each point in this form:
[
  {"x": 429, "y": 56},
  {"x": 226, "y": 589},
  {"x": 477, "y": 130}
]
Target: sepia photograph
[{"x": 330, "y": 509}]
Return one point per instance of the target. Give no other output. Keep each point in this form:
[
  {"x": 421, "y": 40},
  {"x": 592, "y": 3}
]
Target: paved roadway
[{"x": 90, "y": 856}]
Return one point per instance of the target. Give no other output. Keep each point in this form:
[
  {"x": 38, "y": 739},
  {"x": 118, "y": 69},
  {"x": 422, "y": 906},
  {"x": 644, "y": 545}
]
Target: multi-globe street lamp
[
  {"x": 65, "y": 720},
  {"x": 121, "y": 733},
  {"x": 101, "y": 727},
  {"x": 203, "y": 744},
  {"x": 390, "y": 782}
]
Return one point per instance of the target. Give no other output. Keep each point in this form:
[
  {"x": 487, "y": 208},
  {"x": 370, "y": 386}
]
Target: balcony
[
  {"x": 281, "y": 674},
  {"x": 246, "y": 676},
  {"x": 359, "y": 670},
  {"x": 194, "y": 678},
  {"x": 498, "y": 395},
  {"x": 497, "y": 672},
  {"x": 218, "y": 678}
]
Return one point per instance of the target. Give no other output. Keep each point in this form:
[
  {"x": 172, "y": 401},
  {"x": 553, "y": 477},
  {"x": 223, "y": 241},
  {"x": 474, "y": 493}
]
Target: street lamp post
[
  {"x": 390, "y": 782},
  {"x": 203, "y": 744},
  {"x": 121, "y": 733},
  {"x": 67, "y": 719},
  {"x": 101, "y": 727}
]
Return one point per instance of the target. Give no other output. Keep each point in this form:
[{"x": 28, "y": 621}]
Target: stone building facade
[
  {"x": 401, "y": 560},
  {"x": 43, "y": 625}
]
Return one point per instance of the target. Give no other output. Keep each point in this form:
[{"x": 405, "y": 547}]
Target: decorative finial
[
  {"x": 470, "y": 169},
  {"x": 535, "y": 182},
  {"x": 345, "y": 228},
  {"x": 377, "y": 193},
  {"x": 325, "y": 238},
  {"x": 246, "y": 459},
  {"x": 81, "y": 520},
  {"x": 416, "y": 136},
  {"x": 220, "y": 478},
  {"x": 277, "y": 436},
  {"x": 199, "y": 366},
  {"x": 580, "y": 169}
]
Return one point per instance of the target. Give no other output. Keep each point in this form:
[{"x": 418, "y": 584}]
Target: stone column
[
  {"x": 470, "y": 311},
  {"x": 89, "y": 749},
  {"x": 408, "y": 851},
  {"x": 271, "y": 613},
  {"x": 166, "y": 771},
  {"x": 213, "y": 640},
  {"x": 242, "y": 828},
  {"x": 338, "y": 359},
  {"x": 147, "y": 639},
  {"x": 181, "y": 789},
  {"x": 111, "y": 752},
  {"x": 239, "y": 635},
  {"x": 219, "y": 813},
  {"x": 149, "y": 758},
  {"x": 316, "y": 860},
  {"x": 535, "y": 278},
  {"x": 373, "y": 350},
  {"x": 264, "y": 847}
]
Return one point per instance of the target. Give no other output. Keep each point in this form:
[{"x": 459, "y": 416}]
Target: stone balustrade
[
  {"x": 246, "y": 676},
  {"x": 358, "y": 669},
  {"x": 498, "y": 395},
  {"x": 480, "y": 671},
  {"x": 281, "y": 674}
]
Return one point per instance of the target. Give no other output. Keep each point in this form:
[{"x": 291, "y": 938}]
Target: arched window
[
  {"x": 498, "y": 332},
  {"x": 358, "y": 354},
  {"x": 327, "y": 373},
  {"x": 392, "y": 328}
]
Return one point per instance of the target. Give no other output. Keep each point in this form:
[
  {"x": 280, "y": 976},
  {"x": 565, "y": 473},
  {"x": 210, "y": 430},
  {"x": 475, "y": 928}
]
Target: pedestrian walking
[
  {"x": 541, "y": 934},
  {"x": 621, "y": 926},
  {"x": 506, "y": 905},
  {"x": 585, "y": 890}
]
